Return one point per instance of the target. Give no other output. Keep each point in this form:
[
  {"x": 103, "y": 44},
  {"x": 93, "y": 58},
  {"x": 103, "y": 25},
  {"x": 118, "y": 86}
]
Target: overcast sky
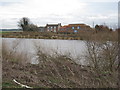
[{"x": 41, "y": 12}]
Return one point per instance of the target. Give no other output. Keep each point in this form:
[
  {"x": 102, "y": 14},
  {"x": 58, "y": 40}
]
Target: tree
[
  {"x": 97, "y": 28},
  {"x": 102, "y": 28},
  {"x": 33, "y": 27},
  {"x": 24, "y": 23}
]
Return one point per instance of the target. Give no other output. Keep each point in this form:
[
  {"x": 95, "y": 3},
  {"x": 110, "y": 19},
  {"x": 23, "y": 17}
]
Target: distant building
[
  {"x": 42, "y": 29},
  {"x": 64, "y": 29},
  {"x": 71, "y": 28},
  {"x": 53, "y": 27},
  {"x": 74, "y": 28}
]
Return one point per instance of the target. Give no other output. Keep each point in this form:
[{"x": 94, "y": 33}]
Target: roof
[
  {"x": 53, "y": 24},
  {"x": 64, "y": 26},
  {"x": 41, "y": 27},
  {"x": 78, "y": 25}
]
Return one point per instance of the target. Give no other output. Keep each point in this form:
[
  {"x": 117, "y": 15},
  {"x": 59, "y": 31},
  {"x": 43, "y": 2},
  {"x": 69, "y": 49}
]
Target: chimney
[{"x": 59, "y": 25}]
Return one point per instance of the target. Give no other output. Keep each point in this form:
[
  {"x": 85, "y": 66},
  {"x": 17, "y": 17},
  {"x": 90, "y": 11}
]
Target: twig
[{"x": 22, "y": 85}]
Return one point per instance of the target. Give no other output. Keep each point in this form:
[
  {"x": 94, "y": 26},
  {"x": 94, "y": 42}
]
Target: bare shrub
[
  {"x": 54, "y": 63},
  {"x": 5, "y": 50},
  {"x": 11, "y": 53},
  {"x": 40, "y": 52},
  {"x": 102, "y": 57},
  {"x": 45, "y": 54}
]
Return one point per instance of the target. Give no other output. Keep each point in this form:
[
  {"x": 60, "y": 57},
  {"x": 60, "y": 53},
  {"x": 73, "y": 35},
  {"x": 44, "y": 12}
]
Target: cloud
[
  {"x": 101, "y": 1},
  {"x": 41, "y": 12},
  {"x": 43, "y": 9},
  {"x": 101, "y": 17},
  {"x": 9, "y": 23},
  {"x": 39, "y": 8}
]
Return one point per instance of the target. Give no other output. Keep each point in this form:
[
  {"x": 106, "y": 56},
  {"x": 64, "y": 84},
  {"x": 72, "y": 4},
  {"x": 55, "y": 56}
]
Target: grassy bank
[
  {"x": 57, "y": 72},
  {"x": 52, "y": 72},
  {"x": 83, "y": 35}
]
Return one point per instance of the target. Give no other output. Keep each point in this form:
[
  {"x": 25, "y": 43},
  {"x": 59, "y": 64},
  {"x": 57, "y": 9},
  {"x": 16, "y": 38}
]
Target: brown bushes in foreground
[
  {"x": 101, "y": 72},
  {"x": 11, "y": 53},
  {"x": 60, "y": 71},
  {"x": 102, "y": 57}
]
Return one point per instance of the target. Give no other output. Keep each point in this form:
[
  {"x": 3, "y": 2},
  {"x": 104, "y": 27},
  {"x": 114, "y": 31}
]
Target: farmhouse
[{"x": 53, "y": 27}]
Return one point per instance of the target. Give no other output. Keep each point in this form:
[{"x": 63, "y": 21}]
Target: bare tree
[
  {"x": 24, "y": 23},
  {"x": 33, "y": 27}
]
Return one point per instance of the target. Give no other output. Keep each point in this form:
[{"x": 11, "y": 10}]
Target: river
[{"x": 76, "y": 49}]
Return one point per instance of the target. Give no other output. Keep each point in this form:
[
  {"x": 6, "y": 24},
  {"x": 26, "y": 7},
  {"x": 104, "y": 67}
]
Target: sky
[{"x": 41, "y": 12}]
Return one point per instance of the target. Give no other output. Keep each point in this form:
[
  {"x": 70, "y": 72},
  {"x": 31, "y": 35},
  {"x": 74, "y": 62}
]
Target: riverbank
[
  {"x": 40, "y": 35},
  {"x": 58, "y": 72},
  {"x": 50, "y": 35},
  {"x": 55, "y": 73}
]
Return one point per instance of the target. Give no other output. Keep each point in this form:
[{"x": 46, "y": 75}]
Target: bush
[{"x": 102, "y": 57}]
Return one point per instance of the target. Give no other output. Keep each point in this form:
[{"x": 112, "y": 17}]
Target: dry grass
[
  {"x": 60, "y": 71},
  {"x": 83, "y": 35},
  {"x": 10, "y": 53}
]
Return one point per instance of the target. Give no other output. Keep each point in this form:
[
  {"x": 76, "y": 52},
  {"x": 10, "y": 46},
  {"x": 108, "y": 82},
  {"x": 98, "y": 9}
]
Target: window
[
  {"x": 75, "y": 31},
  {"x": 78, "y": 27},
  {"x": 51, "y": 27},
  {"x": 54, "y": 30},
  {"x": 48, "y": 28},
  {"x": 54, "y": 26},
  {"x": 73, "y": 28}
]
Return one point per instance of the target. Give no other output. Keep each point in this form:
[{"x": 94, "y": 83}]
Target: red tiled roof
[{"x": 77, "y": 25}]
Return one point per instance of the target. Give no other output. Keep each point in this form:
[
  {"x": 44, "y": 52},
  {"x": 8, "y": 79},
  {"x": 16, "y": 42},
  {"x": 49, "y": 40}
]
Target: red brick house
[
  {"x": 53, "y": 27},
  {"x": 74, "y": 28}
]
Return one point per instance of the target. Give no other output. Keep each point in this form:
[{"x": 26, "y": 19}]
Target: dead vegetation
[
  {"x": 10, "y": 52},
  {"x": 102, "y": 57},
  {"x": 83, "y": 35},
  {"x": 60, "y": 71}
]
